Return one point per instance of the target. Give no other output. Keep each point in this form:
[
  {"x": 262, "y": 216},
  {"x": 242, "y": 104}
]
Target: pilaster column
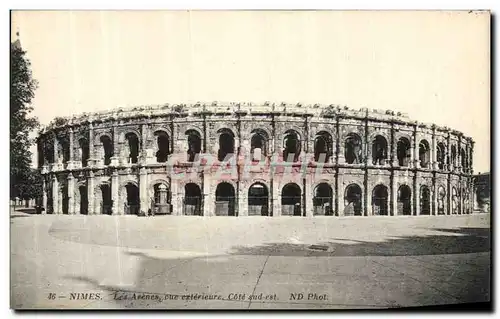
[
  {"x": 91, "y": 146},
  {"x": 56, "y": 153},
  {"x": 71, "y": 194},
  {"x": 143, "y": 190},
  {"x": 44, "y": 188},
  {"x": 276, "y": 199},
  {"x": 242, "y": 201},
  {"x": 208, "y": 198},
  {"x": 55, "y": 194},
  {"x": 91, "y": 193},
  {"x": 177, "y": 197},
  {"x": 71, "y": 151},
  {"x": 434, "y": 164},
  {"x": 115, "y": 195},
  {"x": 415, "y": 198},
  {"x": 309, "y": 194},
  {"x": 394, "y": 196}
]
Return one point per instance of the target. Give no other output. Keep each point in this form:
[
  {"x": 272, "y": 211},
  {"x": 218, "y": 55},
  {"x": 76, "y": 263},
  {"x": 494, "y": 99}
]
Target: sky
[{"x": 434, "y": 66}]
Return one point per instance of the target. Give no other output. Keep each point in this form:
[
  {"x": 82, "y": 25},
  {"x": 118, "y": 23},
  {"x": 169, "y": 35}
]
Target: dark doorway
[
  {"x": 107, "y": 145},
  {"x": 379, "y": 150},
  {"x": 226, "y": 145},
  {"x": 132, "y": 206},
  {"x": 323, "y": 146},
  {"x": 424, "y": 154},
  {"x": 192, "y": 200},
  {"x": 323, "y": 200},
  {"x": 425, "y": 200},
  {"x": 404, "y": 200},
  {"x": 163, "y": 144},
  {"x": 353, "y": 149},
  {"x": 194, "y": 145},
  {"x": 258, "y": 145},
  {"x": 380, "y": 200},
  {"x": 403, "y": 152},
  {"x": 441, "y": 200},
  {"x": 84, "y": 200},
  {"x": 106, "y": 204},
  {"x": 65, "y": 199},
  {"x": 84, "y": 149},
  {"x": 133, "y": 146},
  {"x": 225, "y": 200},
  {"x": 352, "y": 201},
  {"x": 291, "y": 199},
  {"x": 258, "y": 200},
  {"x": 291, "y": 145}
]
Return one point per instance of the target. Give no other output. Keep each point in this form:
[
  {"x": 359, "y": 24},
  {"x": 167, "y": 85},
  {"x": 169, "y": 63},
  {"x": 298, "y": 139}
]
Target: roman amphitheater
[{"x": 243, "y": 159}]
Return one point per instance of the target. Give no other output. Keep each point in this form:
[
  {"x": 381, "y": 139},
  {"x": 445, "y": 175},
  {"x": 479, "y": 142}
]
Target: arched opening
[
  {"x": 65, "y": 198},
  {"x": 84, "y": 151},
  {"x": 352, "y": 200},
  {"x": 424, "y": 154},
  {"x": 404, "y": 200},
  {"x": 353, "y": 149},
  {"x": 50, "y": 199},
  {"x": 453, "y": 156},
  {"x": 441, "y": 156},
  {"x": 379, "y": 150},
  {"x": 133, "y": 147},
  {"x": 192, "y": 200},
  {"x": 49, "y": 151},
  {"x": 454, "y": 201},
  {"x": 84, "y": 200},
  {"x": 226, "y": 144},
  {"x": 258, "y": 200},
  {"x": 225, "y": 200},
  {"x": 323, "y": 146},
  {"x": 441, "y": 200},
  {"x": 133, "y": 203},
  {"x": 194, "y": 144},
  {"x": 107, "y": 203},
  {"x": 63, "y": 149},
  {"x": 163, "y": 144},
  {"x": 40, "y": 153},
  {"x": 425, "y": 200},
  {"x": 380, "y": 198},
  {"x": 463, "y": 158},
  {"x": 161, "y": 199},
  {"x": 291, "y": 146},
  {"x": 291, "y": 198},
  {"x": 258, "y": 144},
  {"x": 107, "y": 145},
  {"x": 323, "y": 200},
  {"x": 403, "y": 152}
]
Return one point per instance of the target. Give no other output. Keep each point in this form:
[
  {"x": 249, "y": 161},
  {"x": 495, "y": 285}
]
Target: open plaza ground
[{"x": 189, "y": 262}]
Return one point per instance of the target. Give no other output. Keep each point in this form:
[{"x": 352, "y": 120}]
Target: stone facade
[{"x": 240, "y": 159}]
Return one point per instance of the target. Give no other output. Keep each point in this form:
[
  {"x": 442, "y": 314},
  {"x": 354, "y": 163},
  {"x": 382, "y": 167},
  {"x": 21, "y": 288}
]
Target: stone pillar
[
  {"x": 56, "y": 153},
  {"x": 90, "y": 161},
  {"x": 71, "y": 195},
  {"x": 416, "y": 160},
  {"x": 91, "y": 194},
  {"x": 208, "y": 198},
  {"x": 434, "y": 163},
  {"x": 115, "y": 159},
  {"x": 117, "y": 208},
  {"x": 276, "y": 199},
  {"x": 309, "y": 194},
  {"x": 242, "y": 200},
  {"x": 143, "y": 190},
  {"x": 394, "y": 196},
  {"x": 367, "y": 200},
  {"x": 71, "y": 137},
  {"x": 44, "y": 203},
  {"x": 415, "y": 199},
  {"x": 55, "y": 194},
  {"x": 176, "y": 198}
]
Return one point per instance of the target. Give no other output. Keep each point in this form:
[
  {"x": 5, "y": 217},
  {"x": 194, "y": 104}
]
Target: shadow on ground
[
  {"x": 208, "y": 274},
  {"x": 469, "y": 240}
]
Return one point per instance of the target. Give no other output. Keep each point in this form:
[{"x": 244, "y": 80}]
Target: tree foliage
[{"x": 22, "y": 91}]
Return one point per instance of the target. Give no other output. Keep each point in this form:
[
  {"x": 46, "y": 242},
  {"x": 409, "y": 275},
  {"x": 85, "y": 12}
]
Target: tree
[{"x": 22, "y": 91}]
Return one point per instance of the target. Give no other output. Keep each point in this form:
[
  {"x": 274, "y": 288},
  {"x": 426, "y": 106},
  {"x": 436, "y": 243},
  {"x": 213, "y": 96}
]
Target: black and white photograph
[{"x": 252, "y": 159}]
